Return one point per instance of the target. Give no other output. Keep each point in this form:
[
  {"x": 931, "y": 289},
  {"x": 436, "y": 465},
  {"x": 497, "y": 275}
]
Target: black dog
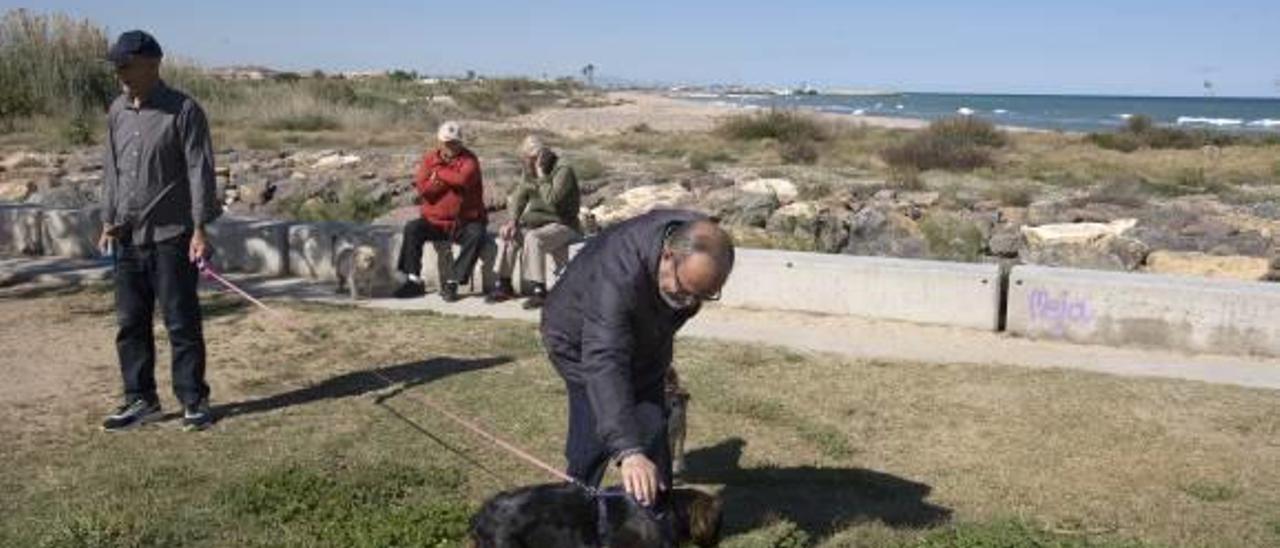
[{"x": 564, "y": 515}]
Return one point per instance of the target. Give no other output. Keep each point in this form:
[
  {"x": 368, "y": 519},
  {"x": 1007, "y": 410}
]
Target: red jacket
[{"x": 456, "y": 196}]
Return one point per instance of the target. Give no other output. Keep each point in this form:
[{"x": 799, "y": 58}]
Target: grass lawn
[{"x": 806, "y": 449}]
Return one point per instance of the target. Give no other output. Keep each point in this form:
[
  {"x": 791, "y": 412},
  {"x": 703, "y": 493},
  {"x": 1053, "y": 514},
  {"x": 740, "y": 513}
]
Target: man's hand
[
  {"x": 508, "y": 231},
  {"x": 640, "y": 478},
  {"x": 108, "y": 238},
  {"x": 199, "y": 246}
]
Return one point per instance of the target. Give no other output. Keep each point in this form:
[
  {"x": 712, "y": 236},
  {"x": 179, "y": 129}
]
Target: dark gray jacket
[
  {"x": 606, "y": 327},
  {"x": 158, "y": 171}
]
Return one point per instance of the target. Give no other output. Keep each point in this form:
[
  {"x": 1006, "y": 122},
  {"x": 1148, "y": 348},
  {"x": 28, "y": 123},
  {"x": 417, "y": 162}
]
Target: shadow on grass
[
  {"x": 817, "y": 500},
  {"x": 362, "y": 382}
]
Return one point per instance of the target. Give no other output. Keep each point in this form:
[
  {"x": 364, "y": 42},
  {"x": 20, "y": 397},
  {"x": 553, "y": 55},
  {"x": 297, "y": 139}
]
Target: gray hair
[{"x": 531, "y": 146}]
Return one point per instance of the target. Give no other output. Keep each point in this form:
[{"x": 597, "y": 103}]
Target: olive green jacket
[{"x": 541, "y": 201}]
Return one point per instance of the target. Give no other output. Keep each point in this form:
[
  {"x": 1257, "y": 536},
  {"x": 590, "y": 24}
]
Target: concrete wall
[
  {"x": 21, "y": 229},
  {"x": 71, "y": 232},
  {"x": 930, "y": 292},
  {"x": 250, "y": 246},
  {"x": 1083, "y": 306},
  {"x": 1195, "y": 314}
]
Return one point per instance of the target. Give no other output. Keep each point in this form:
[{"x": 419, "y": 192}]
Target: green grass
[{"x": 806, "y": 449}]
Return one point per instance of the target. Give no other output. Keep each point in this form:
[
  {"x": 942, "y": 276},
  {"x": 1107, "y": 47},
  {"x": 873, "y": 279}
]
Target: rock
[
  {"x": 298, "y": 176},
  {"x": 640, "y": 200},
  {"x": 796, "y": 218},
  {"x": 746, "y": 209},
  {"x": 1075, "y": 233},
  {"x": 256, "y": 193},
  {"x": 1178, "y": 228},
  {"x": 883, "y": 232},
  {"x": 16, "y": 190},
  {"x": 1192, "y": 263},
  {"x": 1273, "y": 272},
  {"x": 705, "y": 183},
  {"x": 921, "y": 199},
  {"x": 368, "y": 175},
  {"x": 23, "y": 160},
  {"x": 334, "y": 161},
  {"x": 1005, "y": 241},
  {"x": 1083, "y": 245},
  {"x": 222, "y": 171},
  {"x": 783, "y": 189},
  {"x": 885, "y": 195}
]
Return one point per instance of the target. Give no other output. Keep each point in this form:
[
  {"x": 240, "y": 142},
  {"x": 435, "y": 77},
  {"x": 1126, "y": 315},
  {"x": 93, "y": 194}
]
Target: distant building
[{"x": 243, "y": 73}]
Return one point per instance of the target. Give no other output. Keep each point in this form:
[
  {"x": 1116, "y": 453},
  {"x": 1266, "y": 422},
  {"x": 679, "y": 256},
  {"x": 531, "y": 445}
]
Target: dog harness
[{"x": 602, "y": 515}]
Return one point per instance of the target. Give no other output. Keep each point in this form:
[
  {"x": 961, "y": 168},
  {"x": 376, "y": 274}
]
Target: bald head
[{"x": 703, "y": 254}]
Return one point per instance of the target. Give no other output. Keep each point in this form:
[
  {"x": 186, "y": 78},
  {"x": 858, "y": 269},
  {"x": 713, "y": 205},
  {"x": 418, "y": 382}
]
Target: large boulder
[
  {"x": 785, "y": 191},
  {"x": 16, "y": 190},
  {"x": 640, "y": 200},
  {"x": 1102, "y": 246},
  {"x": 1192, "y": 263},
  {"x": 881, "y": 231}
]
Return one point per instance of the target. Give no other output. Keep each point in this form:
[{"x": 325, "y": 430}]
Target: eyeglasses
[{"x": 686, "y": 296}]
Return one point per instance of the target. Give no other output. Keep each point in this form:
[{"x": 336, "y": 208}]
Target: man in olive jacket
[{"x": 544, "y": 221}]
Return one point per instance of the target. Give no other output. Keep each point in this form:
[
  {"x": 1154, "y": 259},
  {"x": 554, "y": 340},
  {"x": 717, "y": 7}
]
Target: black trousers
[
  {"x": 587, "y": 454},
  {"x": 145, "y": 275},
  {"x": 470, "y": 237}
]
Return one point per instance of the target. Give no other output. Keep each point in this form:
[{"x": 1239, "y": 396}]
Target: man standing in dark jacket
[
  {"x": 157, "y": 197},
  {"x": 609, "y": 325}
]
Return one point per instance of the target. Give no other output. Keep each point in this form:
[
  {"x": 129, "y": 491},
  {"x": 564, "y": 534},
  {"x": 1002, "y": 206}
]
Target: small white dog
[{"x": 357, "y": 267}]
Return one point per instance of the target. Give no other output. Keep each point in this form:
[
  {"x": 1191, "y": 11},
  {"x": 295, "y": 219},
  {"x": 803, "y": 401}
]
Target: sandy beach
[{"x": 663, "y": 113}]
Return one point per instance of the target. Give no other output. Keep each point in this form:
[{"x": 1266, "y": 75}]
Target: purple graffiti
[{"x": 1060, "y": 312}]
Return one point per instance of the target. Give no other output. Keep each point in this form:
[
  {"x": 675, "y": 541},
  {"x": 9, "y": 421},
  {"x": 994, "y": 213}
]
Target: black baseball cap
[{"x": 134, "y": 43}]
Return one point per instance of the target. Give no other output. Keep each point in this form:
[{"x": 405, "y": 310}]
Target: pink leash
[
  {"x": 511, "y": 448},
  {"x": 207, "y": 270}
]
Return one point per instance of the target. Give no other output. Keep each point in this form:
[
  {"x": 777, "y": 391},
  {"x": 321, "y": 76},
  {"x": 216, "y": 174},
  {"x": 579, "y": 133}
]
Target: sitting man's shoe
[
  {"x": 409, "y": 290},
  {"x": 133, "y": 413},
  {"x": 538, "y": 297},
  {"x": 197, "y": 416},
  {"x": 449, "y": 293},
  {"x": 502, "y": 292}
]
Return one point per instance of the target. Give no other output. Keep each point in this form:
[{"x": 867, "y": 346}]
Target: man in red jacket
[{"x": 449, "y": 186}]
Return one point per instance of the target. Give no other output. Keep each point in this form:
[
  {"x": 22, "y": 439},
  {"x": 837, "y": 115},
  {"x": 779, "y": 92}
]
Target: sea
[{"x": 1047, "y": 112}]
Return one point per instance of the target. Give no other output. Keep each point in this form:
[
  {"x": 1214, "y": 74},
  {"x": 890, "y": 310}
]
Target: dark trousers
[
  {"x": 587, "y": 454},
  {"x": 470, "y": 237},
  {"x": 145, "y": 275}
]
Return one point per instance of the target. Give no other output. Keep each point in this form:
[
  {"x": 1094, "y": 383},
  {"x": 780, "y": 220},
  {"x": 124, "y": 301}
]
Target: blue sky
[{"x": 1082, "y": 46}]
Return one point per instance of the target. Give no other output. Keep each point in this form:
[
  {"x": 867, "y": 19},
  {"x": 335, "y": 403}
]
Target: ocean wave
[
  {"x": 1195, "y": 120},
  {"x": 899, "y": 107},
  {"x": 859, "y": 112},
  {"x": 965, "y": 111},
  {"x": 1124, "y": 116},
  {"x": 1000, "y": 111},
  {"x": 1265, "y": 122}
]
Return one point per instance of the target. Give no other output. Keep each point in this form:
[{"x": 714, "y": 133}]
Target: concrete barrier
[
  {"x": 312, "y": 247},
  {"x": 1172, "y": 312},
  {"x": 71, "y": 232},
  {"x": 929, "y": 292},
  {"x": 250, "y": 246},
  {"x": 21, "y": 229}
]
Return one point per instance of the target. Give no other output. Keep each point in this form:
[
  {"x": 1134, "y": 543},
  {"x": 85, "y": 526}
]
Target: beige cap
[{"x": 531, "y": 146}]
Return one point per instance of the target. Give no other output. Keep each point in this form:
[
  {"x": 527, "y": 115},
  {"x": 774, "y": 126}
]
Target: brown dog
[{"x": 677, "y": 399}]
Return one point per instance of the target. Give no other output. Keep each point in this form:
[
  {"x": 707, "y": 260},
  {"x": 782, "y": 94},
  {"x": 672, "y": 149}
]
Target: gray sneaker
[
  {"x": 133, "y": 413},
  {"x": 197, "y": 417}
]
